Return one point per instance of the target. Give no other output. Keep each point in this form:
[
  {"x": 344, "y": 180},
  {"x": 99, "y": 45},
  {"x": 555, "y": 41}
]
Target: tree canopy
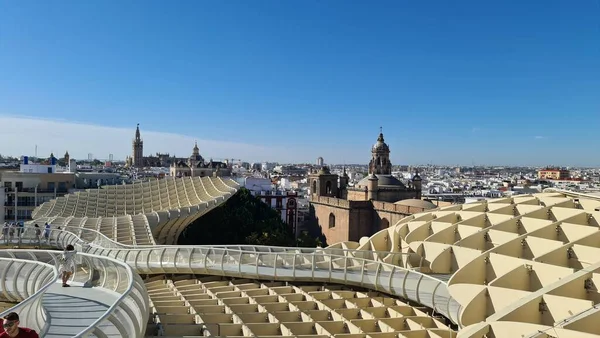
[{"x": 243, "y": 219}]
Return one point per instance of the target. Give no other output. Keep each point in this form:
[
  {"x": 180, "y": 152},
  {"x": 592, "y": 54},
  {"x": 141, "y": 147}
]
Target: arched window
[
  {"x": 331, "y": 220},
  {"x": 384, "y": 224},
  {"x": 314, "y": 187},
  {"x": 328, "y": 188}
]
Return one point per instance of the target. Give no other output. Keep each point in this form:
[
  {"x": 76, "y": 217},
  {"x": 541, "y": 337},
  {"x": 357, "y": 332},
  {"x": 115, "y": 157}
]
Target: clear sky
[{"x": 451, "y": 82}]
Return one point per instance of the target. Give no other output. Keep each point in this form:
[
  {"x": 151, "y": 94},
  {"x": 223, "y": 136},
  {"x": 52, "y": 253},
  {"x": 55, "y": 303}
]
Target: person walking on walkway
[
  {"x": 38, "y": 234},
  {"x": 11, "y": 232},
  {"x": 10, "y": 324},
  {"x": 5, "y": 228},
  {"x": 21, "y": 231},
  {"x": 47, "y": 232},
  {"x": 67, "y": 264}
]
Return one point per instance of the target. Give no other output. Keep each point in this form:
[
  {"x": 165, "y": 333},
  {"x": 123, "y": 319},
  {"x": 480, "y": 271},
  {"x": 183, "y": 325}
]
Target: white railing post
[
  {"x": 377, "y": 276},
  {"x": 223, "y": 258},
  {"x": 362, "y": 272}
]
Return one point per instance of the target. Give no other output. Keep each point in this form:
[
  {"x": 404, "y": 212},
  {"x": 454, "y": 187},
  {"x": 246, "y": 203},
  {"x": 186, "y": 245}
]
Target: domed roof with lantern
[
  {"x": 380, "y": 145},
  {"x": 196, "y": 158}
]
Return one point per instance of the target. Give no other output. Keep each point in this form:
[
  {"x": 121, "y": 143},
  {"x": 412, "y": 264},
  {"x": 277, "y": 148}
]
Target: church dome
[
  {"x": 196, "y": 158},
  {"x": 380, "y": 145},
  {"x": 417, "y": 203},
  {"x": 384, "y": 181}
]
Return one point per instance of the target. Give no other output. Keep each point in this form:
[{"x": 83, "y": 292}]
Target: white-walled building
[
  {"x": 36, "y": 168},
  {"x": 32, "y": 185},
  {"x": 256, "y": 184},
  {"x": 284, "y": 202},
  {"x": 268, "y": 166}
]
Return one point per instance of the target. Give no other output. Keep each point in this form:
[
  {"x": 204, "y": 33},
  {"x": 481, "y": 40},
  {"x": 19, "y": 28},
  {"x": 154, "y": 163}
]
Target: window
[
  {"x": 331, "y": 220},
  {"x": 43, "y": 199},
  {"x": 26, "y": 201},
  {"x": 328, "y": 188},
  {"x": 314, "y": 187},
  {"x": 23, "y": 214},
  {"x": 50, "y": 185},
  {"x": 384, "y": 224}
]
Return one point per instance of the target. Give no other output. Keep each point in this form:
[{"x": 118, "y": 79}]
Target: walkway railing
[
  {"x": 26, "y": 281},
  {"x": 309, "y": 264},
  {"x": 318, "y": 267},
  {"x": 94, "y": 238},
  {"x": 271, "y": 263},
  {"x": 128, "y": 315}
]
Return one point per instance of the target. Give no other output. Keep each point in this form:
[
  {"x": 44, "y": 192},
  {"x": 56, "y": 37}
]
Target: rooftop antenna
[{"x": 36, "y": 150}]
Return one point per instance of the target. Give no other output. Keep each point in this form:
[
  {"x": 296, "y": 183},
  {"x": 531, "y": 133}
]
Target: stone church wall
[
  {"x": 388, "y": 214},
  {"x": 357, "y": 194},
  {"x": 353, "y": 219}
]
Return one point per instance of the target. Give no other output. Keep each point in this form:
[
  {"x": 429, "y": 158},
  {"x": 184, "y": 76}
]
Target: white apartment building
[{"x": 29, "y": 187}]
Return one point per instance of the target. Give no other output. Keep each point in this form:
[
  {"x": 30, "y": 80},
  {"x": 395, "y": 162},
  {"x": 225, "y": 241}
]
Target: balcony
[
  {"x": 25, "y": 189},
  {"x": 10, "y": 205},
  {"x": 45, "y": 191},
  {"x": 39, "y": 191}
]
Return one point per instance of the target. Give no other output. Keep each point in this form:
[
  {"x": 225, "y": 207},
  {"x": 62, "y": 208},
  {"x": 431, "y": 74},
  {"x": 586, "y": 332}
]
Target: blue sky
[{"x": 506, "y": 82}]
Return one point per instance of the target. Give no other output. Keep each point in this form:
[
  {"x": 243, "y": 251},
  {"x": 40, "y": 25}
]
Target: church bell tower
[
  {"x": 138, "y": 149},
  {"x": 380, "y": 157}
]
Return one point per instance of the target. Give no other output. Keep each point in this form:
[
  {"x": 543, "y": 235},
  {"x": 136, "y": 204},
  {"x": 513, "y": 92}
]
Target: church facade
[
  {"x": 196, "y": 166},
  {"x": 347, "y": 213}
]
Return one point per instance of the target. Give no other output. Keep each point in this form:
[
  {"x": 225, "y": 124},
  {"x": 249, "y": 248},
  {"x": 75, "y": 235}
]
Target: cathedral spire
[
  {"x": 137, "y": 132},
  {"x": 380, "y": 138}
]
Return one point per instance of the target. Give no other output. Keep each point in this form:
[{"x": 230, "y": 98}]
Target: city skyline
[
  {"x": 496, "y": 84},
  {"x": 104, "y": 140}
]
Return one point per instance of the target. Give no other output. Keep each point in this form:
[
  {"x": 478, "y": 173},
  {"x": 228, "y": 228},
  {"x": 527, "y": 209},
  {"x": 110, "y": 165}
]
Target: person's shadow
[{"x": 93, "y": 281}]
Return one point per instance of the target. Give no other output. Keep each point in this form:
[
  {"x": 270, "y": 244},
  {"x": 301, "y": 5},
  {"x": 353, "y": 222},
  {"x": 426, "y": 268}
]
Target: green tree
[
  {"x": 243, "y": 219},
  {"x": 308, "y": 241}
]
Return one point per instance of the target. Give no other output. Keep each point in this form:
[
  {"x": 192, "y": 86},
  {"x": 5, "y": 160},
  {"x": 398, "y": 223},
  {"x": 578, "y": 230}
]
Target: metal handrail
[
  {"x": 378, "y": 275},
  {"x": 106, "y": 242},
  {"x": 106, "y": 265},
  {"x": 132, "y": 283},
  {"x": 409, "y": 284},
  {"x": 47, "y": 280},
  {"x": 122, "y": 252}
]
